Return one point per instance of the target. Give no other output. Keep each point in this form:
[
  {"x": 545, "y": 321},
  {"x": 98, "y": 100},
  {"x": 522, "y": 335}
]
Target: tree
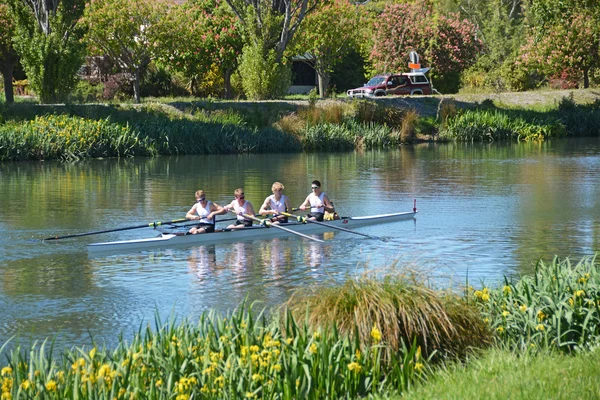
[
  {"x": 326, "y": 36},
  {"x": 268, "y": 27},
  {"x": 569, "y": 49},
  {"x": 8, "y": 56},
  {"x": 446, "y": 43},
  {"x": 48, "y": 40},
  {"x": 128, "y": 32},
  {"x": 204, "y": 34},
  {"x": 259, "y": 20}
]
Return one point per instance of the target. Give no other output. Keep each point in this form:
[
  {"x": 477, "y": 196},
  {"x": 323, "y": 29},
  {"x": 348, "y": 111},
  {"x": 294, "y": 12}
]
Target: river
[{"x": 485, "y": 211}]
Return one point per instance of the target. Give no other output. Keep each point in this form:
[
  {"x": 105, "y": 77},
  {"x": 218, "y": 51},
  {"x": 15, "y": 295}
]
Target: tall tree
[
  {"x": 8, "y": 56},
  {"x": 326, "y": 36},
  {"x": 278, "y": 36},
  {"x": 48, "y": 40},
  {"x": 129, "y": 32},
  {"x": 204, "y": 33}
]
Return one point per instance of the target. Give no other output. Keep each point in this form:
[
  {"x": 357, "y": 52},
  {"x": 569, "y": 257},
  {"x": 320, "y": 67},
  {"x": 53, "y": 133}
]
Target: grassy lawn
[{"x": 501, "y": 374}]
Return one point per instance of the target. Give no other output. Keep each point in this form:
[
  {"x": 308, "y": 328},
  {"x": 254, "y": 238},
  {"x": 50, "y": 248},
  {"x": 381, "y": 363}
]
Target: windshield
[{"x": 378, "y": 80}]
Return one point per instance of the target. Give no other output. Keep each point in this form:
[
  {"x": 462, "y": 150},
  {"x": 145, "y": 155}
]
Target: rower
[
  {"x": 204, "y": 212},
  {"x": 240, "y": 206},
  {"x": 276, "y": 204},
  {"x": 318, "y": 201}
]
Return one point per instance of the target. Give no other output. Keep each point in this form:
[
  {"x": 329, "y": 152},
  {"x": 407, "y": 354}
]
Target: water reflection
[{"x": 202, "y": 262}]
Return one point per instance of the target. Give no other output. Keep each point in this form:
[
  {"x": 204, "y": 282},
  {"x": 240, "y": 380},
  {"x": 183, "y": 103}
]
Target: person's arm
[
  {"x": 265, "y": 208},
  {"x": 306, "y": 203},
  {"x": 288, "y": 204},
  {"x": 216, "y": 210},
  {"x": 190, "y": 214},
  {"x": 228, "y": 206},
  {"x": 327, "y": 206},
  {"x": 250, "y": 209}
]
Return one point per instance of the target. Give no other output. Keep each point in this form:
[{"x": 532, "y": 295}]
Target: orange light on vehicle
[{"x": 414, "y": 66}]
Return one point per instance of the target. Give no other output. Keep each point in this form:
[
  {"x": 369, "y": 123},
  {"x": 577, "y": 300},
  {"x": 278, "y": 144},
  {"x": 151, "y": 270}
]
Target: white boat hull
[{"x": 254, "y": 232}]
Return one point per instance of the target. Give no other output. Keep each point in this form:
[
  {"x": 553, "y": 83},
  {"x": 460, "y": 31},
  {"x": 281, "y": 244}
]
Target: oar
[
  {"x": 305, "y": 220},
  {"x": 268, "y": 224}
]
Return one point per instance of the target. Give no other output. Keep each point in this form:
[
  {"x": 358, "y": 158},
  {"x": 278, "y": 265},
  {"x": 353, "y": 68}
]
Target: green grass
[{"x": 501, "y": 375}]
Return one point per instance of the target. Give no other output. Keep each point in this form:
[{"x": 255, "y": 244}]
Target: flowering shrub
[
  {"x": 559, "y": 306},
  {"x": 447, "y": 44}
]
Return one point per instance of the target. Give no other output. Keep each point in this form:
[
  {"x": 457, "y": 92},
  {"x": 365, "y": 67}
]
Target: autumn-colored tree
[
  {"x": 8, "y": 56},
  {"x": 204, "y": 34},
  {"x": 48, "y": 40},
  {"x": 568, "y": 50},
  {"x": 129, "y": 32},
  {"x": 447, "y": 44},
  {"x": 326, "y": 36}
]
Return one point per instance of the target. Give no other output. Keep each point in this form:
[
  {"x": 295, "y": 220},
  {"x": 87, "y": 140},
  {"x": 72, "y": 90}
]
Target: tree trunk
[
  {"x": 323, "y": 83},
  {"x": 7, "y": 73},
  {"x": 227, "y": 79},
  {"x": 136, "y": 87},
  {"x": 586, "y": 78}
]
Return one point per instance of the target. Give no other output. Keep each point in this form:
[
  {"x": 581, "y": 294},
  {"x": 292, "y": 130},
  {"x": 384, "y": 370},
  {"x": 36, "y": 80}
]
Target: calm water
[{"x": 485, "y": 211}]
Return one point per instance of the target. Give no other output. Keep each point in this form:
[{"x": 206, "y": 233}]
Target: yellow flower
[
  {"x": 313, "y": 348},
  {"x": 254, "y": 349},
  {"x": 541, "y": 316},
  {"x": 289, "y": 340},
  {"x": 6, "y": 371},
  {"x": 506, "y": 290},
  {"x": 478, "y": 294},
  {"x": 500, "y": 329},
  {"x": 571, "y": 302},
  {"x": 158, "y": 383},
  {"x": 257, "y": 377},
  {"x": 505, "y": 313},
  {"x": 376, "y": 334},
  {"x": 250, "y": 395},
  {"x": 354, "y": 366},
  {"x": 243, "y": 325},
  {"x": 540, "y": 327},
  {"x": 92, "y": 353},
  {"x": 485, "y": 297},
  {"x": 419, "y": 367},
  {"x": 51, "y": 386},
  {"x": 357, "y": 354},
  {"x": 523, "y": 308},
  {"x": 26, "y": 384},
  {"x": 277, "y": 367},
  {"x": 486, "y": 320},
  {"x": 316, "y": 335},
  {"x": 580, "y": 293}
]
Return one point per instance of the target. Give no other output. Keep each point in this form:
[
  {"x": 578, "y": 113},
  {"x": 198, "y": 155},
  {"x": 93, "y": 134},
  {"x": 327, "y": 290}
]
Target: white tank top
[
  {"x": 243, "y": 208},
  {"x": 314, "y": 200},
  {"x": 203, "y": 213},
  {"x": 277, "y": 205}
]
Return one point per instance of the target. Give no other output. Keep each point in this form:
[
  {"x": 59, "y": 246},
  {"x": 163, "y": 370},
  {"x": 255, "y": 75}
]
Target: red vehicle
[{"x": 408, "y": 83}]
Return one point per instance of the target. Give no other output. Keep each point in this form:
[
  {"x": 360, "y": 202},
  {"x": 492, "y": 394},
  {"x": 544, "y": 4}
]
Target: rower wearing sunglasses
[
  {"x": 318, "y": 201},
  {"x": 241, "y": 206},
  {"x": 204, "y": 212}
]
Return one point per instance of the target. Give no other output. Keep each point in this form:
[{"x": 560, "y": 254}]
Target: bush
[
  {"x": 401, "y": 307},
  {"x": 263, "y": 77},
  {"x": 87, "y": 91}
]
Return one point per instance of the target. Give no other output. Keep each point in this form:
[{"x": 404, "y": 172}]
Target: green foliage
[
  {"x": 313, "y": 97},
  {"x": 51, "y": 48},
  {"x": 262, "y": 76},
  {"x": 86, "y": 92},
  {"x": 490, "y": 125},
  {"x": 557, "y": 307},
  {"x": 233, "y": 356}
]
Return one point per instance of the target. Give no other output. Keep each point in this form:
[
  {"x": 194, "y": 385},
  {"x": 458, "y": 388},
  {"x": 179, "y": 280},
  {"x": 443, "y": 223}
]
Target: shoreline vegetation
[
  {"x": 383, "y": 337},
  {"x": 174, "y": 126}
]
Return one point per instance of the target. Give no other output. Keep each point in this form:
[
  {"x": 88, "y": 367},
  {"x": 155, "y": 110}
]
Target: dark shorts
[
  {"x": 244, "y": 223},
  {"x": 281, "y": 219},
  {"x": 208, "y": 228},
  {"x": 319, "y": 216}
]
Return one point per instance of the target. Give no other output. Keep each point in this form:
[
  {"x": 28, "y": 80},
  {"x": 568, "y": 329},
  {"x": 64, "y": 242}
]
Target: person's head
[
  {"x": 277, "y": 187},
  {"x": 316, "y": 186},
  {"x": 239, "y": 194},
  {"x": 200, "y": 196}
]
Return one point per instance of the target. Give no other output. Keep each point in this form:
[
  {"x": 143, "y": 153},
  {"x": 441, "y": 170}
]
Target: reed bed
[
  {"x": 235, "y": 356},
  {"x": 557, "y": 307}
]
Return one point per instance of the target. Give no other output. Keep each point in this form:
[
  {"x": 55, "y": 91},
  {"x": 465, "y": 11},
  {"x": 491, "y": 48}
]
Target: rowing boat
[{"x": 254, "y": 232}]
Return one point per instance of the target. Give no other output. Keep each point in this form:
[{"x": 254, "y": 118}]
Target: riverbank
[
  {"x": 175, "y": 126},
  {"x": 370, "y": 336}
]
